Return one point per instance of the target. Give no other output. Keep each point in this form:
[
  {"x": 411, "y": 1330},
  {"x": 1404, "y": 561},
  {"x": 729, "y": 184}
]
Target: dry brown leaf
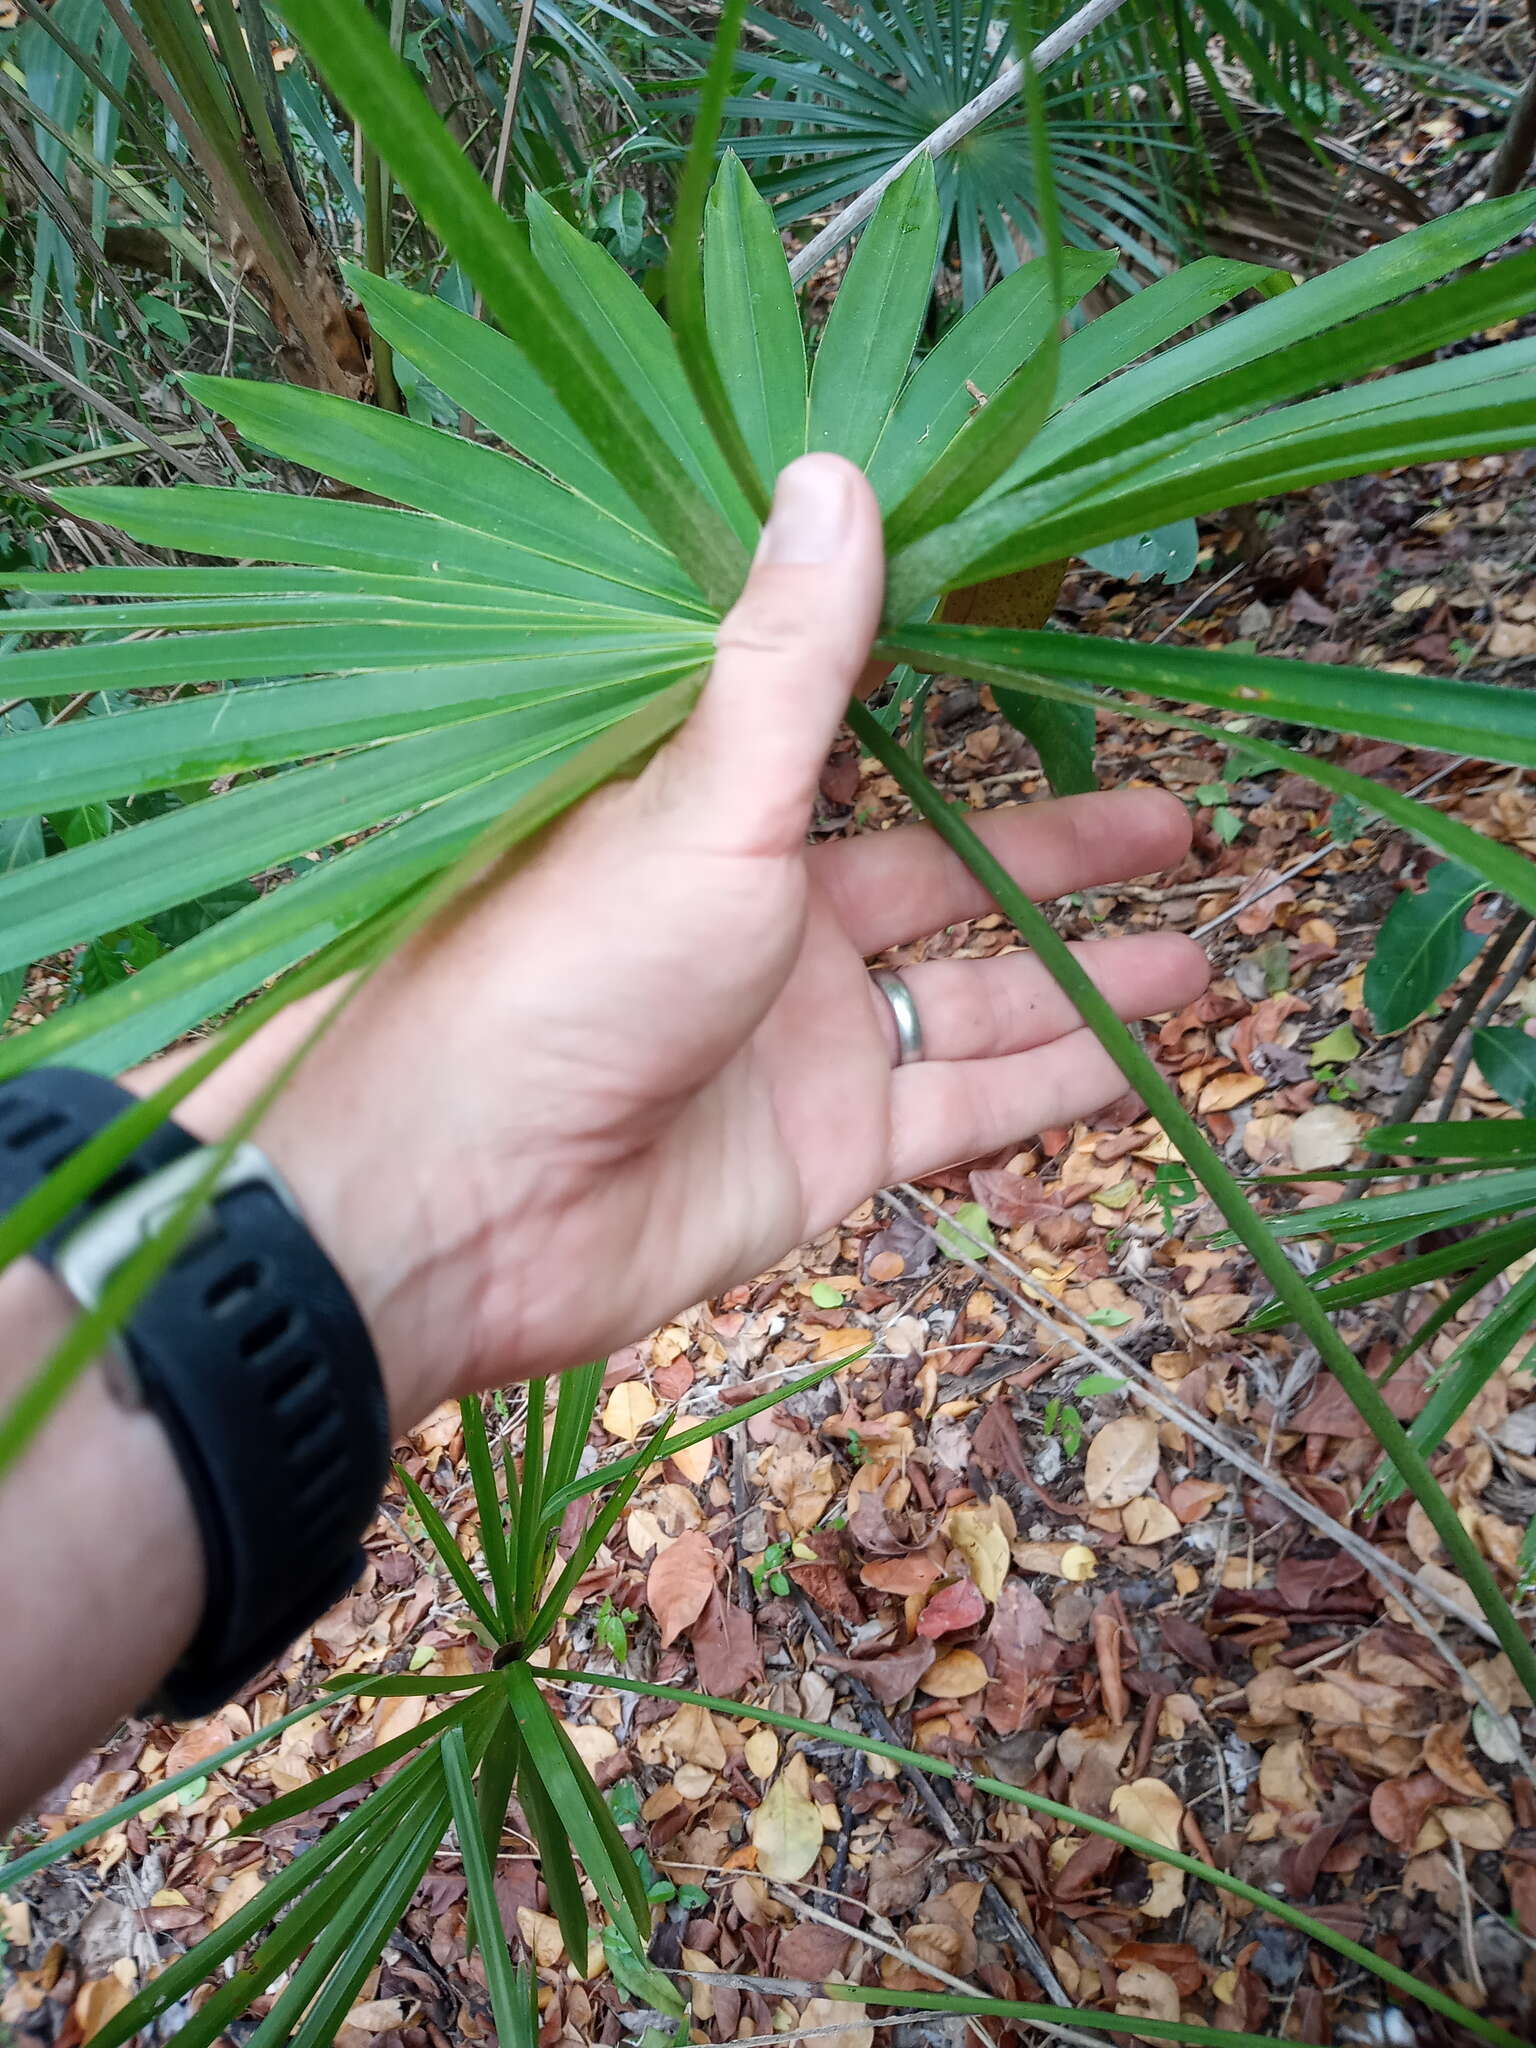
[
  {"x": 1324, "y": 1137},
  {"x": 1148, "y": 1521},
  {"x": 240, "y": 1891},
  {"x": 850, "y": 2020},
  {"x": 1488, "y": 1825},
  {"x": 1147, "y": 1993},
  {"x": 786, "y": 1830},
  {"x": 1122, "y": 1461},
  {"x": 691, "y": 1737},
  {"x": 762, "y": 1753},
  {"x": 679, "y": 1583},
  {"x": 1445, "y": 1752},
  {"x": 541, "y": 1933},
  {"x": 1285, "y": 1777}
]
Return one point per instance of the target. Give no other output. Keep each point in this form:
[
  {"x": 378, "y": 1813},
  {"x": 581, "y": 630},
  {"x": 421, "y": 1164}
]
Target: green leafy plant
[
  {"x": 415, "y": 685},
  {"x": 1423, "y": 946}
]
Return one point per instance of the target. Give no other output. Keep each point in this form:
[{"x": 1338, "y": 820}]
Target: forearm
[
  {"x": 103, "y": 1577},
  {"x": 104, "y": 1587}
]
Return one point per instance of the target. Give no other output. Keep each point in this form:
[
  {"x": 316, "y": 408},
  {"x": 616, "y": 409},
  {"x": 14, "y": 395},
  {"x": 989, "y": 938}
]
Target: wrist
[{"x": 349, "y": 1188}]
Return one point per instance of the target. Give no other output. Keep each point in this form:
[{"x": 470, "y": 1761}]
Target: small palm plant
[{"x": 441, "y": 673}]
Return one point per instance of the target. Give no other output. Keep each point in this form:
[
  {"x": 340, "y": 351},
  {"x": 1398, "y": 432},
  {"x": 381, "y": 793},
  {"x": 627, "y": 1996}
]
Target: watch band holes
[
  {"x": 233, "y": 1289},
  {"x": 43, "y": 1125},
  {"x": 269, "y": 1331}
]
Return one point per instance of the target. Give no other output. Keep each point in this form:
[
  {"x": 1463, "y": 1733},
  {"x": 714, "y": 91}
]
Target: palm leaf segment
[{"x": 399, "y": 674}]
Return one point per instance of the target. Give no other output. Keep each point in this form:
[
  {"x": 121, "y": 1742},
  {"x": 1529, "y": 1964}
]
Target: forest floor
[{"x": 1133, "y": 1592}]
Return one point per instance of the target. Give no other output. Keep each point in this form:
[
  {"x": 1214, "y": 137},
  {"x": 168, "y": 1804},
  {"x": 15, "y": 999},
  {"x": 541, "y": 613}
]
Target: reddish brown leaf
[
  {"x": 890, "y": 1677},
  {"x": 955, "y": 1606},
  {"x": 679, "y": 1583},
  {"x": 725, "y": 1653},
  {"x": 1399, "y": 1805}
]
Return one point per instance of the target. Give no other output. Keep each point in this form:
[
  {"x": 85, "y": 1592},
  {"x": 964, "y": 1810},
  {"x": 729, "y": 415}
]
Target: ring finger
[{"x": 983, "y": 1009}]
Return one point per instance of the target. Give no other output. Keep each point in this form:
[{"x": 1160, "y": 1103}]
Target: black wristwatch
[{"x": 250, "y": 1352}]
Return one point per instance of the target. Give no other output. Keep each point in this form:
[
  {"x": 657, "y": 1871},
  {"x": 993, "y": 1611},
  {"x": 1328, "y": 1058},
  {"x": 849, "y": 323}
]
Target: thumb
[{"x": 788, "y": 655}]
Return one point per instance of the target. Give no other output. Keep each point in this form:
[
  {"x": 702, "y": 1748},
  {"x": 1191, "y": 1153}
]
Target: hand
[{"x": 651, "y": 1061}]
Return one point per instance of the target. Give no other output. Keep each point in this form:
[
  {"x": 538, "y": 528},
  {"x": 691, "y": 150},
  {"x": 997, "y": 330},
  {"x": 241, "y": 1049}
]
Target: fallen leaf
[
  {"x": 1122, "y": 1461},
  {"x": 958, "y": 1605},
  {"x": 955, "y": 1676},
  {"x": 786, "y": 1830},
  {"x": 725, "y": 1652},
  {"x": 1148, "y": 1521},
  {"x": 976, "y": 1534},
  {"x": 1149, "y": 1807},
  {"x": 240, "y": 1891},
  {"x": 628, "y": 1409},
  {"x": 680, "y": 1581},
  {"x": 1323, "y": 1137},
  {"x": 1078, "y": 1563},
  {"x": 890, "y": 1677},
  {"x": 761, "y": 1750}
]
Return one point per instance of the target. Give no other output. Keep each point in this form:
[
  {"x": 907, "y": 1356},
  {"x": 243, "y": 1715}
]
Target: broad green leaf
[
  {"x": 488, "y": 375},
  {"x": 21, "y": 843},
  {"x": 273, "y": 651},
  {"x": 1269, "y": 334},
  {"x": 866, "y": 346},
  {"x": 1146, "y": 321},
  {"x": 1506, "y": 1059},
  {"x": 1061, "y": 734},
  {"x": 976, "y": 356},
  {"x": 619, "y": 1854},
  {"x": 1461, "y": 717},
  {"x": 414, "y": 603},
  {"x": 331, "y": 533},
  {"x": 996, "y": 435},
  {"x": 352, "y": 49},
  {"x": 754, "y": 321},
  {"x": 1422, "y": 947},
  {"x": 511, "y": 1989},
  {"x": 632, "y": 340},
  {"x": 213, "y": 971},
  {"x": 1472, "y": 405},
  {"x": 456, "y": 480},
  {"x": 1167, "y": 551}
]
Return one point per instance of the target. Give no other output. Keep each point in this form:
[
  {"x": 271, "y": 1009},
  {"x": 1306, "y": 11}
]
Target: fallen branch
[{"x": 988, "y": 101}]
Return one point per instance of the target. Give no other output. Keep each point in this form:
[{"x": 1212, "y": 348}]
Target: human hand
[{"x": 651, "y": 1060}]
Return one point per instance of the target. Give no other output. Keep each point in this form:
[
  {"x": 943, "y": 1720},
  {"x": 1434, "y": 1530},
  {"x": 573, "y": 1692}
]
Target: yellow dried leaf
[
  {"x": 1148, "y": 1521},
  {"x": 1418, "y": 597},
  {"x": 977, "y": 1535},
  {"x": 628, "y": 1409},
  {"x": 955, "y": 1676},
  {"x": 541, "y": 1933},
  {"x": 786, "y": 1829},
  {"x": 762, "y": 1753},
  {"x": 1149, "y": 1807},
  {"x": 1078, "y": 1563}
]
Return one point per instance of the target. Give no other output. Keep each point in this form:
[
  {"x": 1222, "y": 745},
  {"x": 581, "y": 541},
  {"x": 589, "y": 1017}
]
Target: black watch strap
[{"x": 251, "y": 1353}]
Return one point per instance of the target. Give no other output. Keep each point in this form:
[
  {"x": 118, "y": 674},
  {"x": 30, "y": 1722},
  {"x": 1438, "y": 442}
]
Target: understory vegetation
[{"x": 1091, "y": 1590}]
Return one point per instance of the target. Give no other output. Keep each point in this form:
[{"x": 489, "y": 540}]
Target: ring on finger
[{"x": 903, "y": 1008}]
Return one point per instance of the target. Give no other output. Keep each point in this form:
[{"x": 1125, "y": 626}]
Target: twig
[
  {"x": 998, "y": 94},
  {"x": 877, "y": 1723}
]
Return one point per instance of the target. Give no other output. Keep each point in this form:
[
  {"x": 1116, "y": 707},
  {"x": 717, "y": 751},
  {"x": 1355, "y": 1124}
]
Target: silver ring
[{"x": 909, "y": 1026}]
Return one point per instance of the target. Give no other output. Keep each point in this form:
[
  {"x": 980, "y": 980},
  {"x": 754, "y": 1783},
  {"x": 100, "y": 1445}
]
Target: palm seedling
[{"x": 414, "y": 685}]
